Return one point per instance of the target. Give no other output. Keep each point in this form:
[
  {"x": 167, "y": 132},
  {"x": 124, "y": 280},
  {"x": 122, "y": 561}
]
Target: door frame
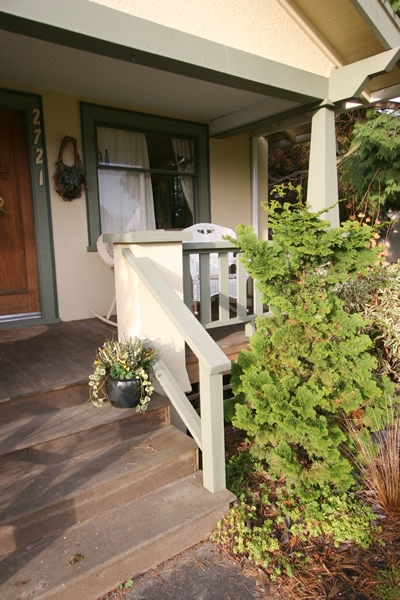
[{"x": 31, "y": 106}]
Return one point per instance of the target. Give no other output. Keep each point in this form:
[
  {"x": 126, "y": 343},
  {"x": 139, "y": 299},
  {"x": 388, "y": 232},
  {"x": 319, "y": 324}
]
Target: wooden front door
[{"x": 19, "y": 290}]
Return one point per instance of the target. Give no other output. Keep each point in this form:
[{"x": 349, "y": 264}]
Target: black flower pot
[{"x": 123, "y": 394}]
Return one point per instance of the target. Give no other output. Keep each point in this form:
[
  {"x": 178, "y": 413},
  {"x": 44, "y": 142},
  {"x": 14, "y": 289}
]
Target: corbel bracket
[{"x": 350, "y": 81}]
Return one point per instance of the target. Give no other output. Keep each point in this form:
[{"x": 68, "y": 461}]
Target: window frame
[{"x": 94, "y": 115}]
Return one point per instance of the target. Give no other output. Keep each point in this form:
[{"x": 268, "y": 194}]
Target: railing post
[
  {"x": 205, "y": 295},
  {"x": 187, "y": 284},
  {"x": 250, "y": 327},
  {"x": 223, "y": 287},
  {"x": 241, "y": 289},
  {"x": 212, "y": 430}
]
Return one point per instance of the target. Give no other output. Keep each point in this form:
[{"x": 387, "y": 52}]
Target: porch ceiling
[{"x": 45, "y": 65}]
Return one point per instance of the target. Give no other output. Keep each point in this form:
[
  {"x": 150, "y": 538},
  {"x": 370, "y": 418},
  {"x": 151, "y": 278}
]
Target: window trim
[{"x": 94, "y": 115}]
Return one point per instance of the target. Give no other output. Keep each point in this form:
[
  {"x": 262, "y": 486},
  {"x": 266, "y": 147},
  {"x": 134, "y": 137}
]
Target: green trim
[
  {"x": 262, "y": 124},
  {"x": 350, "y": 81},
  {"x": 26, "y": 103},
  {"x": 108, "y": 167},
  {"x": 381, "y": 19},
  {"x": 93, "y": 115},
  {"x": 28, "y": 323}
]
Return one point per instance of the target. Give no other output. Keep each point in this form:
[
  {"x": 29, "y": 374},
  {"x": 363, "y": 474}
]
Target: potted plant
[{"x": 121, "y": 374}]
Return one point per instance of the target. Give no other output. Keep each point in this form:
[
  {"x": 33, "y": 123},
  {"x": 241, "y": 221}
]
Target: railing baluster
[
  {"x": 205, "y": 297},
  {"x": 212, "y": 430},
  {"x": 223, "y": 286},
  {"x": 223, "y": 249},
  {"x": 241, "y": 289},
  {"x": 258, "y": 305},
  {"x": 187, "y": 284}
]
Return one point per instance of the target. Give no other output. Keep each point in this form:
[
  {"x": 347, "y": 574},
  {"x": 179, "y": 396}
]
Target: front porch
[{"x": 62, "y": 356}]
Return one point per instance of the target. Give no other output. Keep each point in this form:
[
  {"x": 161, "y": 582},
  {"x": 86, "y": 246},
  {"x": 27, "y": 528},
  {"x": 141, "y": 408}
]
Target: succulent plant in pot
[{"x": 122, "y": 374}]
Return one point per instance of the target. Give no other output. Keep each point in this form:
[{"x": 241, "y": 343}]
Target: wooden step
[
  {"x": 115, "y": 545},
  {"x": 37, "y": 431},
  {"x": 34, "y": 506}
]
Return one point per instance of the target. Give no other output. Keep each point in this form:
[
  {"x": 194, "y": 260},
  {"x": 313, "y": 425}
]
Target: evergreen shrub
[{"x": 308, "y": 366}]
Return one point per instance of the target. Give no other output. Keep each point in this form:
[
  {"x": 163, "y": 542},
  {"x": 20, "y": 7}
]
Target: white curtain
[
  {"x": 126, "y": 197},
  {"x": 183, "y": 149}
]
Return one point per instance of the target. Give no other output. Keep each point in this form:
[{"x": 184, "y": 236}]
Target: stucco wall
[
  {"x": 230, "y": 181},
  {"x": 83, "y": 280},
  {"x": 261, "y": 27}
]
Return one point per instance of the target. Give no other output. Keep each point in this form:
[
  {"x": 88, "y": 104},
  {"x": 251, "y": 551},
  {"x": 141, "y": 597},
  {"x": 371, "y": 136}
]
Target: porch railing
[
  {"x": 208, "y": 428},
  {"x": 248, "y": 303}
]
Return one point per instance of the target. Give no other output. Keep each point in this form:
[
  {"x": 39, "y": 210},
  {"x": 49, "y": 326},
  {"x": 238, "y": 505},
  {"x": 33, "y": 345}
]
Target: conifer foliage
[
  {"x": 373, "y": 170},
  {"x": 308, "y": 365}
]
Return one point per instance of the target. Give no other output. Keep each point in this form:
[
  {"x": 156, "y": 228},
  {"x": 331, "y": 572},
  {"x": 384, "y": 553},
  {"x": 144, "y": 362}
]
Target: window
[{"x": 144, "y": 171}]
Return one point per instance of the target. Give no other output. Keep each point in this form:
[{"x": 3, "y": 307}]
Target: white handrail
[{"x": 209, "y": 430}]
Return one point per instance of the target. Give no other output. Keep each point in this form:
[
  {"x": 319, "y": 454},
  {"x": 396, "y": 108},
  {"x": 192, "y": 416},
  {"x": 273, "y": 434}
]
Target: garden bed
[{"x": 347, "y": 571}]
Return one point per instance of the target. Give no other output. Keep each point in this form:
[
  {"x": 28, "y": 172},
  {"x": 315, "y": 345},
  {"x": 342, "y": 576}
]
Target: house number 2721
[{"x": 37, "y": 132}]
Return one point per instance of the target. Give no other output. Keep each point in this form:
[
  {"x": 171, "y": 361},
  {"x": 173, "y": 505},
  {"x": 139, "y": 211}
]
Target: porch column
[
  {"x": 254, "y": 184},
  {"x": 139, "y": 314},
  {"x": 322, "y": 189}
]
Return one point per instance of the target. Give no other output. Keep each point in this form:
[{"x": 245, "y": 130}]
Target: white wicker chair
[
  {"x": 106, "y": 252},
  {"x": 208, "y": 232}
]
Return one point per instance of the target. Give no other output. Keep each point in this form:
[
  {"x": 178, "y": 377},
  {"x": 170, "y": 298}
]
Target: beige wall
[
  {"x": 260, "y": 27},
  {"x": 230, "y": 181},
  {"x": 83, "y": 280},
  {"x": 230, "y": 173}
]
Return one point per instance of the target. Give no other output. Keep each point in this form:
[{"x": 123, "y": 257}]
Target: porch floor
[{"x": 63, "y": 355}]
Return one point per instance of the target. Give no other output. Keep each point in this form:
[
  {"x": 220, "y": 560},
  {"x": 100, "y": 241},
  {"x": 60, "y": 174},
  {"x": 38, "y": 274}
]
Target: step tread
[
  {"x": 81, "y": 476},
  {"x": 117, "y": 544},
  {"x": 30, "y": 422}
]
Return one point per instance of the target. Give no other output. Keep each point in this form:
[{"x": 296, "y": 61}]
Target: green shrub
[{"x": 308, "y": 366}]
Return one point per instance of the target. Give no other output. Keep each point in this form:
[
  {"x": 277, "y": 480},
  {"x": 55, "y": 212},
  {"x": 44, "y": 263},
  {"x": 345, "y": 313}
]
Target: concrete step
[
  {"x": 115, "y": 545},
  {"x": 36, "y": 505},
  {"x": 38, "y": 431}
]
